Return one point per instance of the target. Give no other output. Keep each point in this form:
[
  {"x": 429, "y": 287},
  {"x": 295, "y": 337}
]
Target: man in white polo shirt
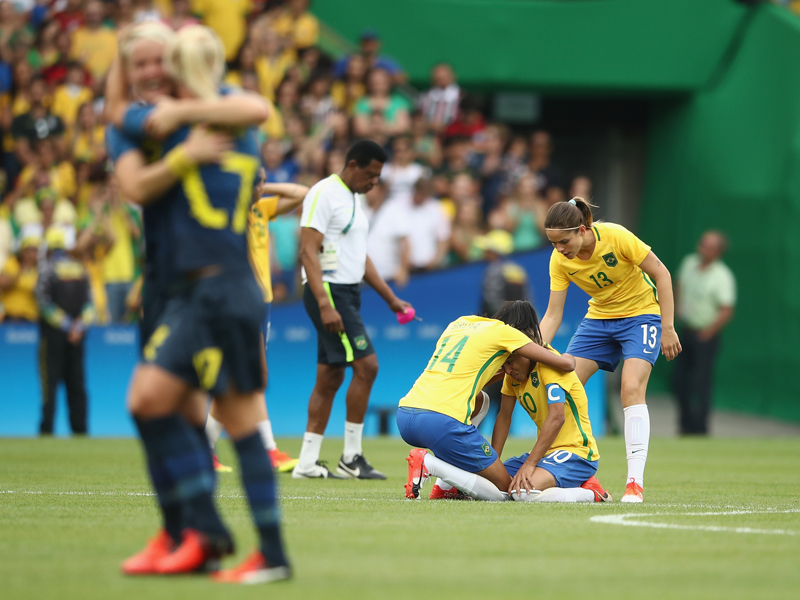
[
  {"x": 705, "y": 301},
  {"x": 333, "y": 252}
]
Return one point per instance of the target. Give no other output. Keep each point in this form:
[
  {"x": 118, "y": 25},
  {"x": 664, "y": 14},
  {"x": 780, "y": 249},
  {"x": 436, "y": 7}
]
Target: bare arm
[
  {"x": 502, "y": 424},
  {"x": 551, "y": 320},
  {"x": 290, "y": 195},
  {"x": 310, "y": 243},
  {"x": 547, "y": 434},
  {"x": 724, "y": 316},
  {"x": 232, "y": 110},
  {"x": 401, "y": 278},
  {"x": 116, "y": 100},
  {"x": 373, "y": 278},
  {"x": 670, "y": 344},
  {"x": 540, "y": 354}
]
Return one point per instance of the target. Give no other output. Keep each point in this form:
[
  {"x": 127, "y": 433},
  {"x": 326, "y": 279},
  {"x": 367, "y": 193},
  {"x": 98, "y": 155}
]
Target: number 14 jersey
[
  {"x": 612, "y": 277},
  {"x": 468, "y": 354}
]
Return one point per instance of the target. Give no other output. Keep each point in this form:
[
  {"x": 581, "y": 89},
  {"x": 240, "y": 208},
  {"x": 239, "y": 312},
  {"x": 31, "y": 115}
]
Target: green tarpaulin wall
[{"x": 724, "y": 137}]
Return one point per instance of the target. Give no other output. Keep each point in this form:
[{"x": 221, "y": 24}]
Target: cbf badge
[
  {"x": 486, "y": 449},
  {"x": 361, "y": 342},
  {"x": 535, "y": 379},
  {"x": 610, "y": 259}
]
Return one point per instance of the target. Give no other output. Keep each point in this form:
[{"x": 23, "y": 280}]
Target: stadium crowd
[{"x": 453, "y": 177}]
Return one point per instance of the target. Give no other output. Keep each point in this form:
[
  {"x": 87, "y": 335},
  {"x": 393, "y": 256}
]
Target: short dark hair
[
  {"x": 521, "y": 315},
  {"x": 364, "y": 152}
]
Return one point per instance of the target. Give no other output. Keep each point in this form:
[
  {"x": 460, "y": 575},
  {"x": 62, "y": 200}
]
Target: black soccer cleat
[{"x": 358, "y": 468}]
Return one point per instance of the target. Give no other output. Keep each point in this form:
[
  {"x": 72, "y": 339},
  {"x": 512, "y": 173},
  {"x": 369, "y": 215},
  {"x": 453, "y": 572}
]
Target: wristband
[{"x": 178, "y": 161}]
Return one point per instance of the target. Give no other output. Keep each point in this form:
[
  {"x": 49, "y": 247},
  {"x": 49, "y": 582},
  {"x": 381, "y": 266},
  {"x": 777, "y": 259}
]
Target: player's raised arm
[
  {"x": 540, "y": 354},
  {"x": 658, "y": 272},
  {"x": 551, "y": 320},
  {"x": 290, "y": 195}
]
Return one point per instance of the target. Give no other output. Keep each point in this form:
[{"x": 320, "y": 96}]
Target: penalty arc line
[{"x": 627, "y": 521}]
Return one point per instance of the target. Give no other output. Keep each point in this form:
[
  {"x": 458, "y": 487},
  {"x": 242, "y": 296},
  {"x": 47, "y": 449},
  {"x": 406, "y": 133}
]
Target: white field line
[{"x": 633, "y": 520}]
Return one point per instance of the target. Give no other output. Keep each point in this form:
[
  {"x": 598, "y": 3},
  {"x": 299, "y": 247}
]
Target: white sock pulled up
[
  {"x": 471, "y": 484},
  {"x": 637, "y": 441}
]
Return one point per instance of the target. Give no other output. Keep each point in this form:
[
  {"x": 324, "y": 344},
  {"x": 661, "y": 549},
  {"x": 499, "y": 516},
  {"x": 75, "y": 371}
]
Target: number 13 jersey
[
  {"x": 468, "y": 354},
  {"x": 612, "y": 277}
]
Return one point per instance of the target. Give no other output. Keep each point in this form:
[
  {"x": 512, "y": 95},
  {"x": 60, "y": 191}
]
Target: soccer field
[{"x": 721, "y": 519}]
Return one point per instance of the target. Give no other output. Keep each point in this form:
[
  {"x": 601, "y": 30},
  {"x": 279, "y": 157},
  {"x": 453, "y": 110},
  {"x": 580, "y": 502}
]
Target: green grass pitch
[{"x": 721, "y": 519}]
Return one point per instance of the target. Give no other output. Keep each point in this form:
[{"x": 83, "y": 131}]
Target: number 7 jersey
[
  {"x": 468, "y": 354},
  {"x": 210, "y": 206},
  {"x": 612, "y": 277}
]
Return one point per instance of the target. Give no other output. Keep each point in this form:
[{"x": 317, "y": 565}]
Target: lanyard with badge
[{"x": 329, "y": 256}]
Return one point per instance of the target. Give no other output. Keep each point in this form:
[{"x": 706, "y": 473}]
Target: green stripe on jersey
[
  {"x": 649, "y": 282},
  {"x": 477, "y": 379},
  {"x": 597, "y": 233},
  {"x": 577, "y": 417}
]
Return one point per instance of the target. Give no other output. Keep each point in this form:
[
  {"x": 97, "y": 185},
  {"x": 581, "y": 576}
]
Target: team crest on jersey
[
  {"x": 535, "y": 379},
  {"x": 361, "y": 342},
  {"x": 610, "y": 259},
  {"x": 486, "y": 449}
]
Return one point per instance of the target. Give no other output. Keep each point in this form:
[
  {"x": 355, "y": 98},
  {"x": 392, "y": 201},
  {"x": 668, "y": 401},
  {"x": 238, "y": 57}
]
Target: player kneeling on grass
[
  {"x": 562, "y": 463},
  {"x": 436, "y": 413}
]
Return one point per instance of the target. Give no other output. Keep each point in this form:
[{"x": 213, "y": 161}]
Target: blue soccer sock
[
  {"x": 173, "y": 442},
  {"x": 258, "y": 480},
  {"x": 165, "y": 493}
]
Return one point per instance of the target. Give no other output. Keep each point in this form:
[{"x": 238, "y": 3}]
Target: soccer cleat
[
  {"x": 318, "y": 471},
  {"x": 219, "y": 467},
  {"x": 438, "y": 493},
  {"x": 282, "y": 462},
  {"x": 633, "y": 493},
  {"x": 254, "y": 569},
  {"x": 358, "y": 468},
  {"x": 196, "y": 554},
  {"x": 417, "y": 473},
  {"x": 593, "y": 485},
  {"x": 143, "y": 563}
]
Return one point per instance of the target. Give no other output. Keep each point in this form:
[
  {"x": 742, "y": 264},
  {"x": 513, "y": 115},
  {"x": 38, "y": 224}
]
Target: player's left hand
[
  {"x": 670, "y": 344},
  {"x": 523, "y": 480},
  {"x": 398, "y": 305},
  {"x": 164, "y": 119}
]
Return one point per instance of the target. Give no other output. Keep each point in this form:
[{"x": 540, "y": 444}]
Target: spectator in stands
[
  {"x": 457, "y": 152},
  {"x": 522, "y": 215},
  {"x": 317, "y": 104},
  {"x": 389, "y": 230},
  {"x": 6, "y": 235},
  {"x": 504, "y": 280},
  {"x": 298, "y": 26},
  {"x": 351, "y": 87},
  {"x": 381, "y": 101},
  {"x": 181, "y": 15},
  {"x": 94, "y": 44},
  {"x": 581, "y": 187},
  {"x": 69, "y": 96},
  {"x": 18, "y": 283},
  {"x": 401, "y": 173},
  {"x": 427, "y": 149},
  {"x": 440, "y": 104},
  {"x": 488, "y": 163},
  {"x": 228, "y": 19},
  {"x": 35, "y": 124},
  {"x": 469, "y": 122},
  {"x": 272, "y": 60},
  {"x": 279, "y": 168},
  {"x": 46, "y": 169},
  {"x": 467, "y": 227},
  {"x": 371, "y": 51},
  {"x": 87, "y": 142},
  {"x": 705, "y": 300},
  {"x": 119, "y": 264},
  {"x": 62, "y": 292},
  {"x": 429, "y": 237},
  {"x": 284, "y": 232},
  {"x": 55, "y": 72},
  {"x": 540, "y": 161}
]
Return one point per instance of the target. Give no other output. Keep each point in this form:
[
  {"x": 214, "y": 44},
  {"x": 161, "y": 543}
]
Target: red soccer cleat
[
  {"x": 196, "y": 554},
  {"x": 593, "y": 485},
  {"x": 417, "y": 473},
  {"x": 633, "y": 493},
  {"x": 254, "y": 569},
  {"x": 438, "y": 493},
  {"x": 219, "y": 467},
  {"x": 144, "y": 562}
]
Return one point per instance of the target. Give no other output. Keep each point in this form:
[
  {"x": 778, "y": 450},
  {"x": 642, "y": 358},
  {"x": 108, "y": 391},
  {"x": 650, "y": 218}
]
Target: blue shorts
[
  {"x": 568, "y": 469},
  {"x": 452, "y": 441},
  {"x": 605, "y": 341}
]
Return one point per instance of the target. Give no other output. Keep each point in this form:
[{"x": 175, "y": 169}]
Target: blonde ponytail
[{"x": 195, "y": 57}]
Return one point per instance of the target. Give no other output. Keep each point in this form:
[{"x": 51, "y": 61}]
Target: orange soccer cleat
[
  {"x": 633, "y": 493},
  {"x": 219, "y": 467},
  {"x": 196, "y": 554},
  {"x": 144, "y": 562},
  {"x": 281, "y": 462},
  {"x": 593, "y": 485},
  {"x": 417, "y": 473},
  {"x": 254, "y": 569}
]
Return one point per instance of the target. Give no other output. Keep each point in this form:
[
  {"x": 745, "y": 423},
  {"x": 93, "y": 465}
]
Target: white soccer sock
[
  {"x": 476, "y": 420},
  {"x": 471, "y": 484},
  {"x": 213, "y": 431},
  {"x": 637, "y": 440},
  {"x": 309, "y": 451},
  {"x": 555, "y": 494},
  {"x": 265, "y": 430},
  {"x": 352, "y": 440}
]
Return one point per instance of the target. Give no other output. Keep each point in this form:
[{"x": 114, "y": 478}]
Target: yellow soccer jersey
[
  {"x": 261, "y": 214},
  {"x": 468, "y": 354},
  {"x": 576, "y": 434},
  {"x": 612, "y": 277}
]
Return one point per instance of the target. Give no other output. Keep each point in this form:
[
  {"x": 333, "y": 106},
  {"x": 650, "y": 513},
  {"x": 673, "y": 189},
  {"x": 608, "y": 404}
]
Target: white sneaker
[{"x": 318, "y": 471}]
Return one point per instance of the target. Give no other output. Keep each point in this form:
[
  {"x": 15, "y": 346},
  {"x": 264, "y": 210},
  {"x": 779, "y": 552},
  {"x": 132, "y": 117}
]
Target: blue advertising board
[{"x": 403, "y": 351}]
